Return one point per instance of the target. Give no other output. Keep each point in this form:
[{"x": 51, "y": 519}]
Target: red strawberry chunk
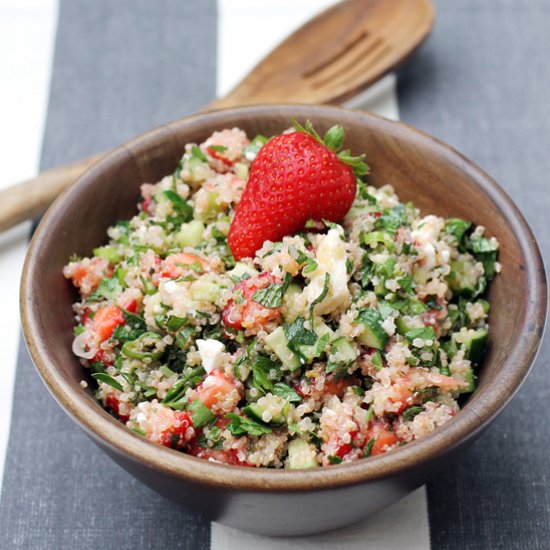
[
  {"x": 243, "y": 312},
  {"x": 293, "y": 179},
  {"x": 105, "y": 320}
]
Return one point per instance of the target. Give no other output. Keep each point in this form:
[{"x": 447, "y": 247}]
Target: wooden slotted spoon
[{"x": 330, "y": 59}]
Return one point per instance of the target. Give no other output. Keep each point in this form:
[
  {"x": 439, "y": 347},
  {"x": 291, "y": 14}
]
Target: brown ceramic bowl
[{"x": 438, "y": 179}]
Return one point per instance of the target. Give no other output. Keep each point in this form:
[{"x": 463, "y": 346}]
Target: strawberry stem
[{"x": 334, "y": 140}]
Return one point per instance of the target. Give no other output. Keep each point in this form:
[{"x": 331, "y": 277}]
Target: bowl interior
[{"x": 437, "y": 179}]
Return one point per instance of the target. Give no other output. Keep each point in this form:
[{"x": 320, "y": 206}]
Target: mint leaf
[
  {"x": 296, "y": 334},
  {"x": 392, "y": 219},
  {"x": 272, "y": 295},
  {"x": 218, "y": 148},
  {"x": 262, "y": 367},
  {"x": 198, "y": 154},
  {"x": 286, "y": 392},
  {"x": 201, "y": 414},
  {"x": 106, "y": 379},
  {"x": 183, "y": 210},
  {"x": 411, "y": 412},
  {"x": 457, "y": 227},
  {"x": 241, "y": 425},
  {"x": 424, "y": 333},
  {"x": 320, "y": 298}
]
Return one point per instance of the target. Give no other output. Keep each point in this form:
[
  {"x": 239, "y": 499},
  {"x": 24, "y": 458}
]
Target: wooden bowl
[{"x": 438, "y": 179}]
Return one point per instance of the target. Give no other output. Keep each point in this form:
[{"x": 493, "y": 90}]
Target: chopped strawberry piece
[
  {"x": 219, "y": 155},
  {"x": 177, "y": 265},
  {"x": 243, "y": 312},
  {"x": 384, "y": 439},
  {"x": 105, "y": 320},
  {"x": 112, "y": 402},
  {"x": 178, "y": 435},
  {"x": 217, "y": 389},
  {"x": 131, "y": 306}
]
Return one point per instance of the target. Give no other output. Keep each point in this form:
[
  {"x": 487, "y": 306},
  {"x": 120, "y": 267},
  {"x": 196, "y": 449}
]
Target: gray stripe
[
  {"x": 120, "y": 68},
  {"x": 482, "y": 84}
]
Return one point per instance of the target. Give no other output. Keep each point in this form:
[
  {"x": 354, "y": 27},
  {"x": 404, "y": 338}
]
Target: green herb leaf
[
  {"x": 297, "y": 334},
  {"x": 370, "y": 414},
  {"x": 424, "y": 333},
  {"x": 191, "y": 377},
  {"x": 368, "y": 448},
  {"x": 106, "y": 290},
  {"x": 201, "y": 414},
  {"x": 334, "y": 459},
  {"x": 175, "y": 323},
  {"x": 411, "y": 412},
  {"x": 218, "y": 148},
  {"x": 262, "y": 368},
  {"x": 198, "y": 154},
  {"x": 272, "y": 295},
  {"x": 392, "y": 219},
  {"x": 311, "y": 265},
  {"x": 283, "y": 390},
  {"x": 183, "y": 210},
  {"x": 377, "y": 360},
  {"x": 320, "y": 298},
  {"x": 106, "y": 379},
  {"x": 457, "y": 227},
  {"x": 241, "y": 425}
]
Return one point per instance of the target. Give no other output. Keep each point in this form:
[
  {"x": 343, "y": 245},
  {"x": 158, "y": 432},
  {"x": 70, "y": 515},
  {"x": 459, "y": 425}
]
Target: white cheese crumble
[{"x": 211, "y": 353}]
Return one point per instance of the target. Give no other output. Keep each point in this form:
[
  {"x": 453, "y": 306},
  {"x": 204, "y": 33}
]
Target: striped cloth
[{"x": 79, "y": 77}]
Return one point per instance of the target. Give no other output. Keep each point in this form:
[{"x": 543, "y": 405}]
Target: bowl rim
[{"x": 476, "y": 415}]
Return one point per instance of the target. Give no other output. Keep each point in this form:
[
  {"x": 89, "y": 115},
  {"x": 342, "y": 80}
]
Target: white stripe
[
  {"x": 27, "y": 31},
  {"x": 247, "y": 30}
]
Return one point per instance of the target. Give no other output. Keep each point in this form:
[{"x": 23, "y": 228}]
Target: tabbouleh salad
[{"x": 341, "y": 342}]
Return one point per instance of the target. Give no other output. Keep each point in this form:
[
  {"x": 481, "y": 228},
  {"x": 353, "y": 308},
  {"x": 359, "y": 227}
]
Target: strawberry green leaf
[{"x": 334, "y": 138}]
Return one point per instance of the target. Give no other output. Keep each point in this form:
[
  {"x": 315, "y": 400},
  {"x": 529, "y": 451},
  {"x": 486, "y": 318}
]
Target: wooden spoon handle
[{"x": 30, "y": 198}]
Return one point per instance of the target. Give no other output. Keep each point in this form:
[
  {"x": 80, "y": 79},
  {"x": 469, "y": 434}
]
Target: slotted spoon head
[{"x": 337, "y": 54}]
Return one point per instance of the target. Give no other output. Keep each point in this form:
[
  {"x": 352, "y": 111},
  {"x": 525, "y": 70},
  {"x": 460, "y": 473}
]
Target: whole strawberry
[{"x": 295, "y": 177}]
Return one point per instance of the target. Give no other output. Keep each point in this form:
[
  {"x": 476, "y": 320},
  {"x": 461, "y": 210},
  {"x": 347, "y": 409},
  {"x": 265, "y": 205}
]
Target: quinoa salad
[{"x": 340, "y": 342}]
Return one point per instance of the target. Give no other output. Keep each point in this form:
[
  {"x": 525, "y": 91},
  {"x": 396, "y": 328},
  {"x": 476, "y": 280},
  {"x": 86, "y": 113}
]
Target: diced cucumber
[
  {"x": 289, "y": 310},
  {"x": 241, "y": 170},
  {"x": 211, "y": 209},
  {"x": 373, "y": 336},
  {"x": 324, "y": 334},
  {"x": 474, "y": 344},
  {"x": 463, "y": 277},
  {"x": 255, "y": 411},
  {"x": 469, "y": 377},
  {"x": 241, "y": 269},
  {"x": 342, "y": 351},
  {"x": 205, "y": 290},
  {"x": 109, "y": 253},
  {"x": 190, "y": 234},
  {"x": 279, "y": 344},
  {"x": 403, "y": 325},
  {"x": 301, "y": 454},
  {"x": 195, "y": 170}
]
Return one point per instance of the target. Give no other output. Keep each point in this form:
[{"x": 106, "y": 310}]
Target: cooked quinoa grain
[{"x": 333, "y": 345}]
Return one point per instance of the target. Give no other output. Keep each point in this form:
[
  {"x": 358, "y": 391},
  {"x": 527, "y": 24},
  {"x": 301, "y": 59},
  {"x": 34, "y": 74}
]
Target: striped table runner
[{"x": 79, "y": 77}]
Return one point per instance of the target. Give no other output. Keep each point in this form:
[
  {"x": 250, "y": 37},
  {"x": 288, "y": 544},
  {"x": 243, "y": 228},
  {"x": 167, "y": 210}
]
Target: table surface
[{"x": 85, "y": 76}]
